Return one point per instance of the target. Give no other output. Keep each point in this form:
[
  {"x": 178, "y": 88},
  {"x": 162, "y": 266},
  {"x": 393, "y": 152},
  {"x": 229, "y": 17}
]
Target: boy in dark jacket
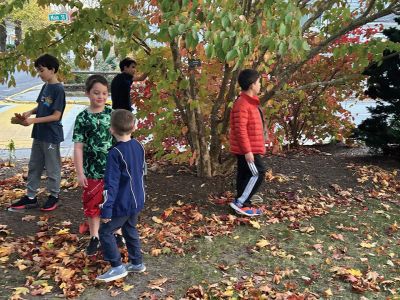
[
  {"x": 247, "y": 142},
  {"x": 123, "y": 197}
]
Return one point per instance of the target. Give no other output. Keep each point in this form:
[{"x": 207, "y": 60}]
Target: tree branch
[
  {"x": 342, "y": 80},
  {"x": 362, "y": 20},
  {"x": 317, "y": 14}
]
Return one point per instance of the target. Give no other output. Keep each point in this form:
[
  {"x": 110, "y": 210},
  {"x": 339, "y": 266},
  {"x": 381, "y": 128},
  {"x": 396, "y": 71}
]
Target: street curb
[
  {"x": 14, "y": 101},
  {"x": 24, "y": 91},
  {"x": 11, "y": 99}
]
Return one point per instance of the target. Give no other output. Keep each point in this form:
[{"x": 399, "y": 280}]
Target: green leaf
[
  {"x": 282, "y": 49},
  {"x": 282, "y": 29},
  {"x": 106, "y": 49},
  {"x": 173, "y": 32},
  {"x": 226, "y": 44},
  {"x": 288, "y": 19},
  {"x": 181, "y": 28},
  {"x": 306, "y": 46},
  {"x": 209, "y": 51},
  {"x": 225, "y": 21},
  {"x": 231, "y": 55},
  {"x": 184, "y": 84}
]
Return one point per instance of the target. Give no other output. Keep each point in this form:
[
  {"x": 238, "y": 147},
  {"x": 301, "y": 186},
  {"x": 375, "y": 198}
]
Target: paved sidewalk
[{"x": 22, "y": 135}]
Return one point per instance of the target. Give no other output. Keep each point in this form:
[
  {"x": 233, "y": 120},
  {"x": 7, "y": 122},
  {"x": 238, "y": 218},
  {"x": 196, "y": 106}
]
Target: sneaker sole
[
  {"x": 137, "y": 271},
  {"x": 21, "y": 207},
  {"x": 241, "y": 212},
  {"x": 94, "y": 253},
  {"x": 50, "y": 208},
  {"x": 116, "y": 277},
  {"x": 236, "y": 208}
]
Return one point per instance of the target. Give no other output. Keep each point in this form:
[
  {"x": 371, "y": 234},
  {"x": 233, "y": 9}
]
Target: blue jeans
[{"x": 109, "y": 245}]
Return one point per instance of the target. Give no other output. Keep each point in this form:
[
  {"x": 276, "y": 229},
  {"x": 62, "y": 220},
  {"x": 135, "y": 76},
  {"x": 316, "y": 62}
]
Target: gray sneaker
[
  {"x": 113, "y": 274},
  {"x": 140, "y": 268}
]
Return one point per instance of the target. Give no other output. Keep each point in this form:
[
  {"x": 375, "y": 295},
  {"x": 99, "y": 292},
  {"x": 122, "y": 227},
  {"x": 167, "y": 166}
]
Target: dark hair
[
  {"x": 126, "y": 62},
  {"x": 247, "y": 77},
  {"x": 122, "y": 121},
  {"x": 93, "y": 79},
  {"x": 47, "y": 61}
]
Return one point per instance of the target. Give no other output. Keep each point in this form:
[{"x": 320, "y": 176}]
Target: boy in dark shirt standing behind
[
  {"x": 123, "y": 197},
  {"x": 47, "y": 134}
]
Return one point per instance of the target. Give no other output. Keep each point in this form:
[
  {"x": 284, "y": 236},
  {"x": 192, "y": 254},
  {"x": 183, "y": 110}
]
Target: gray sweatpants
[{"x": 44, "y": 155}]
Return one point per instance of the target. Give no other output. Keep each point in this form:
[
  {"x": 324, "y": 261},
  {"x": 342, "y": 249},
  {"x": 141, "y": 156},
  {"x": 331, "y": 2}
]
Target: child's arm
[
  {"x": 111, "y": 184},
  {"x": 242, "y": 134},
  {"x": 29, "y": 113},
  {"x": 56, "y": 116},
  {"x": 78, "y": 162}
]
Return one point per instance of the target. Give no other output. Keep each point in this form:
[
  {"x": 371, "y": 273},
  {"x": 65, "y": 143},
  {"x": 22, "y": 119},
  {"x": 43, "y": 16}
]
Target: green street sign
[{"x": 58, "y": 17}]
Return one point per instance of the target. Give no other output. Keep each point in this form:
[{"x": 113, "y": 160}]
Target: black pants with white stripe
[{"x": 250, "y": 176}]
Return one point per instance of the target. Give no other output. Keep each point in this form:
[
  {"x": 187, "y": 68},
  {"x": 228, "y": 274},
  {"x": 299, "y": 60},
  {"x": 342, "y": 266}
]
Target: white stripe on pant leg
[{"x": 250, "y": 185}]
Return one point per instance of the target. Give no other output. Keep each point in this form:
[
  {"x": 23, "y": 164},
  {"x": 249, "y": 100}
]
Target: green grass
[{"x": 242, "y": 258}]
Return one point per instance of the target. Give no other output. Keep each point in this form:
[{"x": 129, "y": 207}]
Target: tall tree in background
[
  {"x": 383, "y": 127},
  {"x": 18, "y": 32},
  {"x": 190, "y": 102},
  {"x": 3, "y": 36},
  {"x": 30, "y": 16}
]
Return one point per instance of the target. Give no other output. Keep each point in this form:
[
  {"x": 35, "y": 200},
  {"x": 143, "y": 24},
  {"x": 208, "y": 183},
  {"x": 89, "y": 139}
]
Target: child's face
[
  {"x": 256, "y": 86},
  {"x": 131, "y": 69},
  {"x": 44, "y": 73},
  {"x": 97, "y": 95}
]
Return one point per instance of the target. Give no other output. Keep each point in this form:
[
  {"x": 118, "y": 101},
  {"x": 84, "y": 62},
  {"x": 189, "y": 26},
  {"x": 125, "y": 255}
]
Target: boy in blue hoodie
[{"x": 123, "y": 198}]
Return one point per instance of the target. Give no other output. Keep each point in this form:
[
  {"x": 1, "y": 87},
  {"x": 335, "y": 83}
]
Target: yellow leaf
[
  {"x": 355, "y": 272},
  {"x": 228, "y": 293},
  {"x": 307, "y": 229},
  {"x": 127, "y": 287},
  {"x": 155, "y": 252},
  {"x": 63, "y": 231},
  {"x": 4, "y": 259},
  {"x": 255, "y": 224},
  {"x": 156, "y": 220},
  {"x": 367, "y": 245},
  {"x": 5, "y": 251},
  {"x": 21, "y": 290},
  {"x": 262, "y": 243},
  {"x": 328, "y": 293},
  {"x": 20, "y": 264}
]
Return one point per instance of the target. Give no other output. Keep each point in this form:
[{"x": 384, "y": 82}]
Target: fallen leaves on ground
[{"x": 14, "y": 187}]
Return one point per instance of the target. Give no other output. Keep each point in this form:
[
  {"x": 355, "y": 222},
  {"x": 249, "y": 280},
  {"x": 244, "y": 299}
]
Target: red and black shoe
[
  {"x": 24, "y": 203},
  {"x": 51, "y": 204}
]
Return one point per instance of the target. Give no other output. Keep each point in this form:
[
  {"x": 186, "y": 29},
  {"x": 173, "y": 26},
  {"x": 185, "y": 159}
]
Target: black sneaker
[
  {"x": 93, "y": 246},
  {"x": 120, "y": 240},
  {"x": 25, "y": 202},
  {"x": 51, "y": 204}
]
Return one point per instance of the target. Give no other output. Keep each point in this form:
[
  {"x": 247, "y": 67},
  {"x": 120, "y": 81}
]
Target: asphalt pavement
[{"x": 23, "y": 81}]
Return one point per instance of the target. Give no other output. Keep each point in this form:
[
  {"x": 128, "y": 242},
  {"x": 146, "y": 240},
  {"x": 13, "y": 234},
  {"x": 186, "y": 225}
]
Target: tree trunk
[
  {"x": 3, "y": 36},
  {"x": 18, "y": 32}
]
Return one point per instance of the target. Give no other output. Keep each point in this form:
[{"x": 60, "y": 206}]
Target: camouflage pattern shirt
[{"x": 92, "y": 129}]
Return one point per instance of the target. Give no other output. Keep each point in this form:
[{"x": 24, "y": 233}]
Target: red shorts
[{"x": 92, "y": 197}]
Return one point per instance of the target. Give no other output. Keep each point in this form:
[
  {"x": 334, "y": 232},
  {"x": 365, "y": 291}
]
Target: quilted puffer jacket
[{"x": 247, "y": 130}]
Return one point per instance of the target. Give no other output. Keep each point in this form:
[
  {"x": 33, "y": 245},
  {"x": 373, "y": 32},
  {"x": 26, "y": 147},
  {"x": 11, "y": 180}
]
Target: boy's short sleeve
[
  {"x": 79, "y": 130},
  {"x": 59, "y": 99}
]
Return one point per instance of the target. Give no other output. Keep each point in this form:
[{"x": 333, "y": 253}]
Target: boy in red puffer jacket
[{"x": 247, "y": 142}]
